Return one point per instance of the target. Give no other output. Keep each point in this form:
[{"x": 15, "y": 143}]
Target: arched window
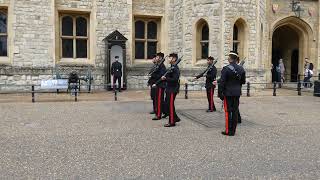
[
  {"x": 74, "y": 36},
  {"x": 235, "y": 38},
  {"x": 201, "y": 44},
  {"x": 205, "y": 42},
  {"x": 146, "y": 38},
  {"x": 3, "y": 33},
  {"x": 239, "y": 43}
]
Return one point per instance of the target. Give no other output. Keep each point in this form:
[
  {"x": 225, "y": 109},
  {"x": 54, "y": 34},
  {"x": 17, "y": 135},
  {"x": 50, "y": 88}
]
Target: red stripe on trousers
[
  {"x": 211, "y": 99},
  {"x": 227, "y": 115},
  {"x": 171, "y": 109},
  {"x": 159, "y": 102}
]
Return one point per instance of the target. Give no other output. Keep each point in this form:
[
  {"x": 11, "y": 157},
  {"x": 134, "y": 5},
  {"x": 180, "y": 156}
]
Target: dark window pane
[
  {"x": 67, "y": 26},
  {"x": 81, "y": 26},
  {"x": 3, "y": 46},
  {"x": 205, "y": 32},
  {"x": 235, "y": 47},
  {"x": 81, "y": 48},
  {"x": 139, "y": 29},
  {"x": 67, "y": 48},
  {"x": 3, "y": 23},
  {"x": 139, "y": 50},
  {"x": 152, "y": 30},
  {"x": 205, "y": 50},
  {"x": 235, "y": 32},
  {"x": 152, "y": 49}
]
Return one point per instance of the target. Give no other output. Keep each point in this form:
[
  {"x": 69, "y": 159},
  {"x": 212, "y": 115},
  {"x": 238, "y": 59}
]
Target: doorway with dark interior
[{"x": 294, "y": 65}]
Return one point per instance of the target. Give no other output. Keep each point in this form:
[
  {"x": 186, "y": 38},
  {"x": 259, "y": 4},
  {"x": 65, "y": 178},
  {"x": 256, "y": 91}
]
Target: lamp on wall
[{"x": 296, "y": 7}]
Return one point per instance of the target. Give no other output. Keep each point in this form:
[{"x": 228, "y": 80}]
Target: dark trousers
[
  {"x": 153, "y": 98},
  {"x": 210, "y": 93},
  {"x": 307, "y": 82},
  {"x": 231, "y": 108},
  {"x": 159, "y": 101},
  {"x": 171, "y": 110},
  {"x": 115, "y": 79},
  {"x": 239, "y": 115}
]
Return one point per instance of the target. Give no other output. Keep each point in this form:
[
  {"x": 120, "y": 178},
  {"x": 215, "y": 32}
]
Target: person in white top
[
  {"x": 282, "y": 70},
  {"x": 308, "y": 73}
]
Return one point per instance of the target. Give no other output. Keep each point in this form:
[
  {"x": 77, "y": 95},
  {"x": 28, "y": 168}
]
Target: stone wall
[
  {"x": 33, "y": 33},
  {"x": 33, "y": 38}
]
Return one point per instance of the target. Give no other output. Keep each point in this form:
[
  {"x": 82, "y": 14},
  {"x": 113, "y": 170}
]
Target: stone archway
[{"x": 292, "y": 40}]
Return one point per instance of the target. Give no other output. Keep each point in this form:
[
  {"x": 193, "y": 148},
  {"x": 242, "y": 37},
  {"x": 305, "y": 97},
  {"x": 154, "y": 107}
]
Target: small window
[
  {"x": 3, "y": 33},
  {"x": 204, "y": 42},
  {"x": 74, "y": 36},
  {"x": 146, "y": 38},
  {"x": 235, "y": 38}
]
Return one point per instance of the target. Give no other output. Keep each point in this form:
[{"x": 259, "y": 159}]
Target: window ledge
[
  {"x": 201, "y": 62},
  {"x": 142, "y": 61},
  {"x": 72, "y": 61},
  {"x": 5, "y": 61}
]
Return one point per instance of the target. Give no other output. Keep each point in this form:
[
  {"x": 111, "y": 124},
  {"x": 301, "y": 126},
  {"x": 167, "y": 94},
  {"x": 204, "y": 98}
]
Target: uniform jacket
[
  {"x": 116, "y": 69},
  {"x": 210, "y": 77},
  {"x": 157, "y": 76},
  {"x": 172, "y": 80},
  {"x": 231, "y": 81}
]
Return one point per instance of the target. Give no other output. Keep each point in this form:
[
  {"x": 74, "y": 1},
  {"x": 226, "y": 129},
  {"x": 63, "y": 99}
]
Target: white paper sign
[{"x": 54, "y": 84}]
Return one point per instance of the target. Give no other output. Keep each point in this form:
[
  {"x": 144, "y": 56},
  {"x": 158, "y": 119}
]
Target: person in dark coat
[
  {"x": 151, "y": 81},
  {"x": 172, "y": 89},
  {"x": 160, "y": 88},
  {"x": 116, "y": 71},
  {"x": 232, "y": 77},
  {"x": 210, "y": 78}
]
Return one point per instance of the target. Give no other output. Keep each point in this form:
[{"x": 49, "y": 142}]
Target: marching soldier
[
  {"x": 210, "y": 78},
  {"x": 160, "y": 88},
  {"x": 151, "y": 81},
  {"x": 172, "y": 90},
  {"x": 232, "y": 77},
  {"x": 116, "y": 71}
]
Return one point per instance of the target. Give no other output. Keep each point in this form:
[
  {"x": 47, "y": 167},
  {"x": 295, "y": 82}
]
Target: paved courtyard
[{"x": 97, "y": 138}]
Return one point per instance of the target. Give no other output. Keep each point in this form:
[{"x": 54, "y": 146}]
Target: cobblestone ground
[{"x": 98, "y": 138}]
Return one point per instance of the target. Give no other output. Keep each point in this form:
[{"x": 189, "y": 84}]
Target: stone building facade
[{"x": 40, "y": 36}]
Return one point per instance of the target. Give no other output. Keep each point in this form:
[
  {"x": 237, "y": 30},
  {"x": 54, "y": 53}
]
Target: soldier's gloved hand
[{"x": 163, "y": 78}]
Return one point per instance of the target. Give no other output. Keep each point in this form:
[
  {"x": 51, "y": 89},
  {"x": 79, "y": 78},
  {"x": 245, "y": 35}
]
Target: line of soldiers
[
  {"x": 165, "y": 86},
  {"x": 229, "y": 89}
]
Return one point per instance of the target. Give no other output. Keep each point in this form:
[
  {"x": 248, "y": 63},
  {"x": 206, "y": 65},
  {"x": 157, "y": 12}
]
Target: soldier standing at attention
[
  {"x": 172, "y": 90},
  {"x": 151, "y": 81},
  {"x": 116, "y": 71},
  {"x": 232, "y": 77},
  {"x": 210, "y": 78},
  {"x": 160, "y": 87}
]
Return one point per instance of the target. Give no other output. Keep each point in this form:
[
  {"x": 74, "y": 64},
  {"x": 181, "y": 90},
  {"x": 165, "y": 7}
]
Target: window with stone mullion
[
  {"x": 145, "y": 39},
  {"x": 75, "y": 46},
  {"x": 3, "y": 33}
]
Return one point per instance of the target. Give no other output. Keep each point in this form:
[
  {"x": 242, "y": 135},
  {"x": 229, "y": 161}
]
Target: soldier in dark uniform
[
  {"x": 232, "y": 77},
  {"x": 210, "y": 78},
  {"x": 172, "y": 90},
  {"x": 160, "y": 88},
  {"x": 151, "y": 81},
  {"x": 116, "y": 71}
]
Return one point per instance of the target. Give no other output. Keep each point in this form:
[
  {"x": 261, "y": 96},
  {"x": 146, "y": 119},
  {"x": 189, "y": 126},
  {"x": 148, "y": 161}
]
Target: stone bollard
[
  {"x": 186, "y": 91},
  {"x": 248, "y": 89},
  {"x": 299, "y": 88},
  {"x": 32, "y": 93}
]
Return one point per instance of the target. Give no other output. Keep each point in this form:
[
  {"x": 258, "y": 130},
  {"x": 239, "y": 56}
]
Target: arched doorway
[
  {"x": 285, "y": 42},
  {"x": 292, "y": 41}
]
